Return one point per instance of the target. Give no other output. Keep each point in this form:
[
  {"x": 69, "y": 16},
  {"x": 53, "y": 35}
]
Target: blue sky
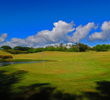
[{"x": 20, "y": 19}]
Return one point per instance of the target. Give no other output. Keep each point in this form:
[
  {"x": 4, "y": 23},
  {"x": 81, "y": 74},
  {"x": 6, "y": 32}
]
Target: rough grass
[{"x": 72, "y": 72}]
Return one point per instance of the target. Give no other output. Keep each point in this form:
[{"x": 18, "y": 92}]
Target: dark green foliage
[
  {"x": 70, "y": 50},
  {"x": 21, "y": 52},
  {"x": 89, "y": 48},
  {"x": 39, "y": 49},
  {"x": 73, "y": 49},
  {"x": 103, "y": 47},
  {"x": 32, "y": 50},
  {"x": 78, "y": 47},
  {"x": 60, "y": 49},
  {"x": 5, "y": 47},
  {"x": 65, "y": 48},
  {"x": 21, "y": 48},
  {"x": 82, "y": 47},
  {"x": 6, "y": 57},
  {"x": 12, "y": 51}
]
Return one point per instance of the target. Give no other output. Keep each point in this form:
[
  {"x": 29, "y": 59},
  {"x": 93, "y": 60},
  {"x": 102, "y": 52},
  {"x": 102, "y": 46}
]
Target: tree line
[{"x": 78, "y": 47}]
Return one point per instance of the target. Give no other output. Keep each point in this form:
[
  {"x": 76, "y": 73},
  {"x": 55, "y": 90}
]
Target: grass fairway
[{"x": 70, "y": 72}]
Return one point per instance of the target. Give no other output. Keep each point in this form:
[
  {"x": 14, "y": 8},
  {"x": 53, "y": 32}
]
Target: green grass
[
  {"x": 71, "y": 72},
  {"x": 4, "y": 53}
]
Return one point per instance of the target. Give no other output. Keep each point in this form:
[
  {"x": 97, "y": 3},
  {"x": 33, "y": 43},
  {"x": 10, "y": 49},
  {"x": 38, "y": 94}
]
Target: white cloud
[
  {"x": 81, "y": 32},
  {"x": 58, "y": 34},
  {"x": 104, "y": 35},
  {"x": 3, "y": 37},
  {"x": 18, "y": 41}
]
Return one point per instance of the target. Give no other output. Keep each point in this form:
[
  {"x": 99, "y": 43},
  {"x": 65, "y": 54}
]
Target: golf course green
[{"x": 74, "y": 73}]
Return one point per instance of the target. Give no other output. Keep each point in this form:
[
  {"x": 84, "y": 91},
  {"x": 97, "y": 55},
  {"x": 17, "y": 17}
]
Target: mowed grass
[{"x": 71, "y": 72}]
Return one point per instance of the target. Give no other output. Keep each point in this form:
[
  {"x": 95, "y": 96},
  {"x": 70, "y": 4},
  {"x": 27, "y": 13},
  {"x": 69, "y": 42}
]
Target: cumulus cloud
[
  {"x": 104, "y": 35},
  {"x": 81, "y": 32},
  {"x": 58, "y": 34},
  {"x": 18, "y": 41},
  {"x": 3, "y": 37}
]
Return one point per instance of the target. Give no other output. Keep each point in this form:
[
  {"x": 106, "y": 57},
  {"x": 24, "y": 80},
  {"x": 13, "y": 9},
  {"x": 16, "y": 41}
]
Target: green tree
[
  {"x": 21, "y": 48},
  {"x": 39, "y": 49},
  {"x": 82, "y": 47},
  {"x": 100, "y": 47},
  {"x": 61, "y": 45},
  {"x": 6, "y": 47},
  {"x": 32, "y": 50}
]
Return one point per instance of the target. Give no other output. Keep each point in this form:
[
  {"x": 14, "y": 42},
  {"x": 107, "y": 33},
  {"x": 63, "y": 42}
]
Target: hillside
[{"x": 4, "y": 53}]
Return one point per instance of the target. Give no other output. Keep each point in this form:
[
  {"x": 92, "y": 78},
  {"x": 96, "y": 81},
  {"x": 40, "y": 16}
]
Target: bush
[
  {"x": 21, "y": 52},
  {"x": 70, "y": 50},
  {"x": 12, "y": 51},
  {"x": 39, "y": 49},
  {"x": 6, "y": 57},
  {"x": 32, "y": 50},
  {"x": 100, "y": 48},
  {"x": 59, "y": 49},
  {"x": 76, "y": 49}
]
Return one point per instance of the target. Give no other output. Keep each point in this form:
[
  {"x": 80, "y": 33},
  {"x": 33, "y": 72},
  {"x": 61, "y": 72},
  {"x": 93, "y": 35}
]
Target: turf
[
  {"x": 4, "y": 53},
  {"x": 70, "y": 72}
]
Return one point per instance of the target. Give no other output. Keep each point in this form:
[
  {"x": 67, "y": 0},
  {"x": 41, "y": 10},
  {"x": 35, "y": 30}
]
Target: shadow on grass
[
  {"x": 39, "y": 91},
  {"x": 43, "y": 91},
  {"x": 103, "y": 91},
  {"x": 6, "y": 82}
]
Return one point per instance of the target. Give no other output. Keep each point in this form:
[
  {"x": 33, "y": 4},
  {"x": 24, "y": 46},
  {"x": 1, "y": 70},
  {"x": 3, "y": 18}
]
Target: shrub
[
  {"x": 70, "y": 50},
  {"x": 6, "y": 57},
  {"x": 12, "y": 51},
  {"x": 59, "y": 49},
  {"x": 39, "y": 49},
  {"x": 100, "y": 48},
  {"x": 32, "y": 50},
  {"x": 21, "y": 52},
  {"x": 76, "y": 49}
]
